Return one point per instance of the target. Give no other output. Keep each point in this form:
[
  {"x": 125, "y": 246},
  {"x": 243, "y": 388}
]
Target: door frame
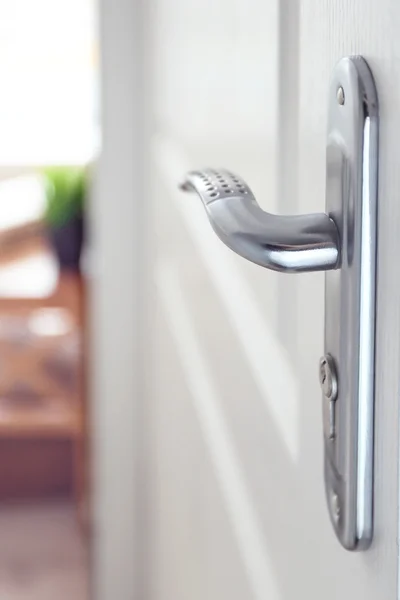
[{"x": 117, "y": 266}]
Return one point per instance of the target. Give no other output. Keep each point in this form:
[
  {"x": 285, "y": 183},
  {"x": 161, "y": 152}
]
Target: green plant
[{"x": 66, "y": 189}]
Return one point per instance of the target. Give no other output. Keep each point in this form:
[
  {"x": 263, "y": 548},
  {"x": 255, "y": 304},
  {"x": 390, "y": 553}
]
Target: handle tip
[{"x": 185, "y": 186}]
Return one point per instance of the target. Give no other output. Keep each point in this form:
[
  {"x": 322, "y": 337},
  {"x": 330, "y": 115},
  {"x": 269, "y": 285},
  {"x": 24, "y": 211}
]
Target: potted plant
[{"x": 66, "y": 190}]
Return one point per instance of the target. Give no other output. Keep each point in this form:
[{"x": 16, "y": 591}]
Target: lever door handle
[
  {"x": 281, "y": 243},
  {"x": 343, "y": 238}
]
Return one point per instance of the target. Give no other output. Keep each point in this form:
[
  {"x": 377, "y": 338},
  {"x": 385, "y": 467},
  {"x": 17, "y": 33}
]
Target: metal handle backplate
[
  {"x": 341, "y": 241},
  {"x": 351, "y": 200}
]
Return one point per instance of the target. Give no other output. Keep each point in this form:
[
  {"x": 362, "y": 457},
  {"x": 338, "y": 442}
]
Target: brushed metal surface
[
  {"x": 282, "y": 243},
  {"x": 351, "y": 201}
]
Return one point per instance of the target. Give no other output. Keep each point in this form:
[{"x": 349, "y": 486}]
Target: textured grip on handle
[{"x": 281, "y": 243}]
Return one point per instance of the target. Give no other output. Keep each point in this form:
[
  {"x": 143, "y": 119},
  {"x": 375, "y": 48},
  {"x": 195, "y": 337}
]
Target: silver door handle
[
  {"x": 281, "y": 243},
  {"x": 343, "y": 238}
]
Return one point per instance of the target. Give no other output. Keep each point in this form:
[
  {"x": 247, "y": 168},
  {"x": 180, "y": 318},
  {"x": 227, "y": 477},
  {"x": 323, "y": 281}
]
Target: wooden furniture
[{"x": 41, "y": 383}]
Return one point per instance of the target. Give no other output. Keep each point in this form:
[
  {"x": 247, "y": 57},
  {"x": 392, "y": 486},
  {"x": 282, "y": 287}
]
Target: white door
[{"x": 230, "y": 415}]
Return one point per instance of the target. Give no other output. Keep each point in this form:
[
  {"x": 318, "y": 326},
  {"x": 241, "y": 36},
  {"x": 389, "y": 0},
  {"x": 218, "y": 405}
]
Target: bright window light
[{"x": 48, "y": 94}]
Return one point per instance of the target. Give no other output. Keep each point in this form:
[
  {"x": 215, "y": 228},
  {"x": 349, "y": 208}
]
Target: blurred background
[{"x": 49, "y": 135}]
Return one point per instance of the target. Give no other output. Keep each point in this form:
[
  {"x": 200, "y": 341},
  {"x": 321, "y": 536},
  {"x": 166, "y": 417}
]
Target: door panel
[
  {"x": 337, "y": 29},
  {"x": 188, "y": 470},
  {"x": 213, "y": 397},
  {"x": 233, "y": 413}
]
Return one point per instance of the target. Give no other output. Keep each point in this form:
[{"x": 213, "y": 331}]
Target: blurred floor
[{"x": 42, "y": 553}]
